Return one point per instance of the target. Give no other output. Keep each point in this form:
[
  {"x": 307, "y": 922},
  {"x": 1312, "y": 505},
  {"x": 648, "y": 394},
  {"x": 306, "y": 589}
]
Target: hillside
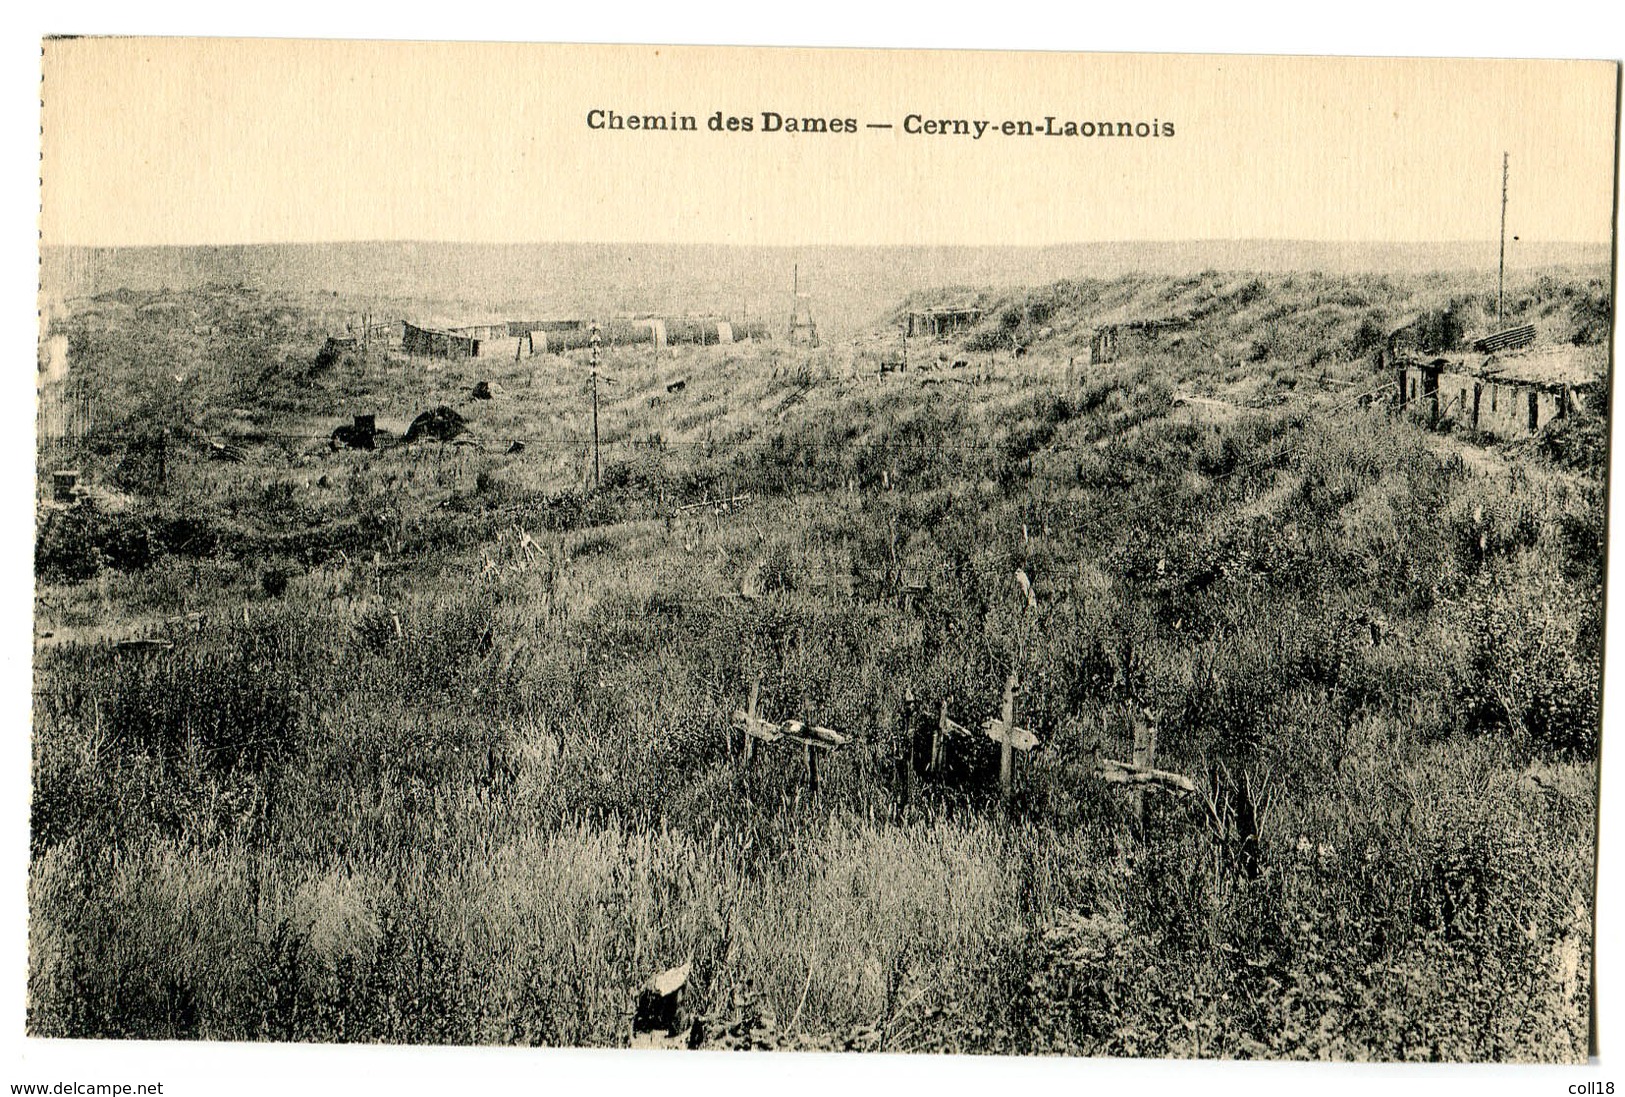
[
  {"x": 849, "y": 287},
  {"x": 435, "y": 742}
]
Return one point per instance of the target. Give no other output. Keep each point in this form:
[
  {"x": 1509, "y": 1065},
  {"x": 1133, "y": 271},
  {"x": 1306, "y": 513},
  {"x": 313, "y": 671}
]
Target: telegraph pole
[
  {"x": 596, "y": 340},
  {"x": 1501, "y": 278}
]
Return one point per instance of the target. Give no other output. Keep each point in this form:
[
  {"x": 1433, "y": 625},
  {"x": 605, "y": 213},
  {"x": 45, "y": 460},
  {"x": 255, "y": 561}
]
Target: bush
[
  {"x": 1440, "y": 329},
  {"x": 1531, "y": 671}
]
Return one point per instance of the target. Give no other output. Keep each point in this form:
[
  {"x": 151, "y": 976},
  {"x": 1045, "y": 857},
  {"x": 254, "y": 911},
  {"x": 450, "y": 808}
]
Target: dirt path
[{"x": 1486, "y": 461}]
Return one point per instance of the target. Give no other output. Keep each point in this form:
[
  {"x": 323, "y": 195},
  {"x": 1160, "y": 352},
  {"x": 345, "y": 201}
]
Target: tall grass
[{"x": 468, "y": 778}]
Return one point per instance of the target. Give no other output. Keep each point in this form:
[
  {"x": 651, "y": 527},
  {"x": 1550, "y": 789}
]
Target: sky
[{"x": 221, "y": 141}]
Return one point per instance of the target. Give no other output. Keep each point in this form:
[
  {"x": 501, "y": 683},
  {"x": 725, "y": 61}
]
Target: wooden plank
[
  {"x": 757, "y": 728},
  {"x": 807, "y": 747},
  {"x": 812, "y": 736},
  {"x": 1019, "y": 739},
  {"x": 1026, "y": 583},
  {"x": 1126, "y": 773},
  {"x": 1145, "y": 752}
]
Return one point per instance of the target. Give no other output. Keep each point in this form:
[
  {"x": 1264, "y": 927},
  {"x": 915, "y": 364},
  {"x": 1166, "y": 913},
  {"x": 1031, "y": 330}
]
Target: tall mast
[{"x": 1501, "y": 278}]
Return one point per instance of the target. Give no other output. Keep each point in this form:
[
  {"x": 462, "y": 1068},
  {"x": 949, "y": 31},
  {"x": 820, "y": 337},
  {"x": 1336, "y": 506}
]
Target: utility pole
[
  {"x": 1501, "y": 278},
  {"x": 596, "y": 469}
]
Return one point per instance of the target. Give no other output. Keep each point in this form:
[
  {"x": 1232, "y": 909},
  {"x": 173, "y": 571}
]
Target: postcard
[{"x": 861, "y": 551}]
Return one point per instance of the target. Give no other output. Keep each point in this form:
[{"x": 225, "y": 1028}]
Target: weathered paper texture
[
  {"x": 185, "y": 141},
  {"x": 837, "y": 550}
]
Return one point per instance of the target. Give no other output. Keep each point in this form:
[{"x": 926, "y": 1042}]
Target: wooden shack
[
  {"x": 940, "y": 323},
  {"x": 1512, "y": 394}
]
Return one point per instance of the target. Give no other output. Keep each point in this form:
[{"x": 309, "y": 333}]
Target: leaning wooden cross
[
  {"x": 822, "y": 738},
  {"x": 812, "y": 737},
  {"x": 1139, "y": 775},
  {"x": 753, "y": 727}
]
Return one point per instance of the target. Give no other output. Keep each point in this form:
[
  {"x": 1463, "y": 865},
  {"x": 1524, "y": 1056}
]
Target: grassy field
[{"x": 440, "y": 752}]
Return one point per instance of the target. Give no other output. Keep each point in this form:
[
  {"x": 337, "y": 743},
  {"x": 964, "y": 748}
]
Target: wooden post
[
  {"x": 1145, "y": 754},
  {"x": 906, "y": 786},
  {"x": 939, "y": 738},
  {"x": 812, "y": 755},
  {"x": 750, "y": 721},
  {"x": 1007, "y": 756}
]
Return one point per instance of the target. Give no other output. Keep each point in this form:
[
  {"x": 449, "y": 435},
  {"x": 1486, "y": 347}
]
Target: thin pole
[
  {"x": 1500, "y": 281},
  {"x": 750, "y": 721},
  {"x": 596, "y": 469}
]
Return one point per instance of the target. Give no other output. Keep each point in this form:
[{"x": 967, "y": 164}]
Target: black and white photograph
[{"x": 707, "y": 549}]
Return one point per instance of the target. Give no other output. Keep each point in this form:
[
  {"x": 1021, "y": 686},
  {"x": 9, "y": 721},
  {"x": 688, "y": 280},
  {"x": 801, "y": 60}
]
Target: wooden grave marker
[
  {"x": 1141, "y": 774},
  {"x": 657, "y": 1016},
  {"x": 813, "y": 738},
  {"x": 946, "y": 730},
  {"x": 1004, "y": 732}
]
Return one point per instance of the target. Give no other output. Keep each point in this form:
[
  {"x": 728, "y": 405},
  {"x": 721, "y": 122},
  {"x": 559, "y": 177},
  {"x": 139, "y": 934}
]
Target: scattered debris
[
  {"x": 719, "y": 504},
  {"x": 144, "y": 645},
  {"x": 225, "y": 451},
  {"x": 678, "y": 385},
  {"x": 65, "y": 486},
  {"x": 362, "y": 434},
  {"x": 657, "y": 1018},
  {"x": 190, "y": 621},
  {"x": 516, "y": 448},
  {"x": 442, "y": 425}
]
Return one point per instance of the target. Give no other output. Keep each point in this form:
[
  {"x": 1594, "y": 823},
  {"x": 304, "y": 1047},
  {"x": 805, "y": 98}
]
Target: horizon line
[{"x": 1158, "y": 241}]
